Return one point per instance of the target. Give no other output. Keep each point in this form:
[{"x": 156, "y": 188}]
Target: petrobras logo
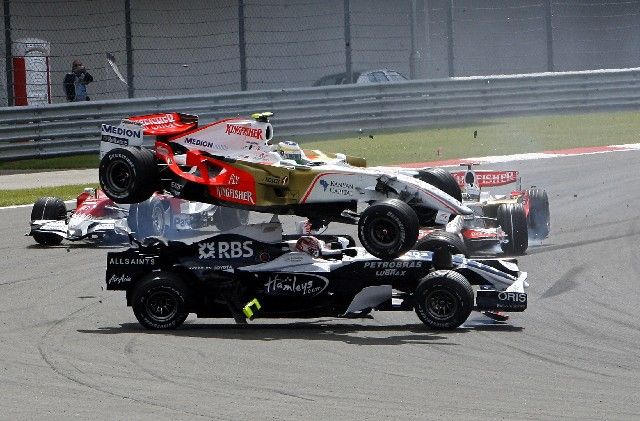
[
  {"x": 121, "y": 131},
  {"x": 244, "y": 131},
  {"x": 205, "y": 144}
]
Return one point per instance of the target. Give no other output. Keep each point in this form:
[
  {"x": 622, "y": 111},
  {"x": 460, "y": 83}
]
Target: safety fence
[{"x": 63, "y": 129}]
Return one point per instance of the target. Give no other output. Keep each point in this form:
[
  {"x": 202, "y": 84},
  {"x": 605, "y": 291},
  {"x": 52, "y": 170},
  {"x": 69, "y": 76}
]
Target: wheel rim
[
  {"x": 161, "y": 306},
  {"x": 119, "y": 176},
  {"x": 157, "y": 220},
  {"x": 383, "y": 232},
  {"x": 441, "y": 304}
]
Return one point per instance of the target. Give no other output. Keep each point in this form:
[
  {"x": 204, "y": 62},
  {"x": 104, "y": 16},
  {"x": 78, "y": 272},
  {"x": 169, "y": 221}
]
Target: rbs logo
[{"x": 225, "y": 250}]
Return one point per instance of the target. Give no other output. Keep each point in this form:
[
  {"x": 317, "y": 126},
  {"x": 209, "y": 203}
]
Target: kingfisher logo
[{"x": 244, "y": 131}]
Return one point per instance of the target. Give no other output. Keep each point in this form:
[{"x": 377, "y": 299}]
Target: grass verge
[
  {"x": 500, "y": 136},
  {"x": 29, "y": 196}
]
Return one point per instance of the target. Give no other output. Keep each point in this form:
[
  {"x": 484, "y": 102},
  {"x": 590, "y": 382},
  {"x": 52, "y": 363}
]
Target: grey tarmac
[{"x": 69, "y": 350}]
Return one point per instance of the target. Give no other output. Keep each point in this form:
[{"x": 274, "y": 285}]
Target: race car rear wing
[{"x": 131, "y": 130}]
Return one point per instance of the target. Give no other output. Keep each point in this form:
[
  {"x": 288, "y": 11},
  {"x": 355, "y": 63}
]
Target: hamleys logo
[{"x": 244, "y": 131}]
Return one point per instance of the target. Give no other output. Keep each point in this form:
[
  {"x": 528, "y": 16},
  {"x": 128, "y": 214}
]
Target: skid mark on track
[
  {"x": 48, "y": 358},
  {"x": 129, "y": 351},
  {"x": 565, "y": 284}
]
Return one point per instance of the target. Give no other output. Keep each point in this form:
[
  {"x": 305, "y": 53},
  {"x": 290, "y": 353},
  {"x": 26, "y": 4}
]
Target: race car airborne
[
  {"x": 96, "y": 217},
  {"x": 255, "y": 271},
  {"x": 232, "y": 162}
]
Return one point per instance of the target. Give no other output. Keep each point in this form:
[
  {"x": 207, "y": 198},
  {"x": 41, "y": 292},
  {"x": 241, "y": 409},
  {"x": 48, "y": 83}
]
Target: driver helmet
[
  {"x": 310, "y": 245},
  {"x": 290, "y": 150}
]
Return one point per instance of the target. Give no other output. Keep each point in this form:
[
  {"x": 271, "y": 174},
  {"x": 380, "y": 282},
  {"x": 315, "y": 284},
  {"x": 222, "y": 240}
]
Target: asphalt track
[{"x": 69, "y": 350}]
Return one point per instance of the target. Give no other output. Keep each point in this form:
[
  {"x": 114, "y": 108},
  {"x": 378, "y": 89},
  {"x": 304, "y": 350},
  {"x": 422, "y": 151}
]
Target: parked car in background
[{"x": 368, "y": 76}]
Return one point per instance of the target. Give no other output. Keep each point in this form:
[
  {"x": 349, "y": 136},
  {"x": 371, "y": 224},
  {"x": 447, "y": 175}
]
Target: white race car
[{"x": 96, "y": 217}]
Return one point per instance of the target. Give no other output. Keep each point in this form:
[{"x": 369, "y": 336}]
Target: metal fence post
[
  {"x": 7, "y": 53},
  {"x": 347, "y": 41},
  {"x": 129, "y": 48},
  {"x": 547, "y": 5},
  {"x": 450, "y": 37},
  {"x": 242, "y": 47}
]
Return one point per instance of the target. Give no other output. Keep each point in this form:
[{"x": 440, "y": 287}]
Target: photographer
[{"x": 75, "y": 83}]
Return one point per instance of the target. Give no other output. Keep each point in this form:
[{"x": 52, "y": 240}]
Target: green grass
[
  {"x": 28, "y": 196},
  {"x": 501, "y": 136}
]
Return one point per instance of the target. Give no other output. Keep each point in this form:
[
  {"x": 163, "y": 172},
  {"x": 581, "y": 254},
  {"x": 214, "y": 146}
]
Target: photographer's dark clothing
[{"x": 75, "y": 85}]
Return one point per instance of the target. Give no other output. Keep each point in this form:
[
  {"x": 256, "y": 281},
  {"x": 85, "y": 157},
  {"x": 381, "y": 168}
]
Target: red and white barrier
[{"x": 31, "y": 77}]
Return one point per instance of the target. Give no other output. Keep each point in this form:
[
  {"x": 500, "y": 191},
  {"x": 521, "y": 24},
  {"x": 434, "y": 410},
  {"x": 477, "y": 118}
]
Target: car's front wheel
[
  {"x": 161, "y": 301},
  {"x": 539, "y": 216},
  {"x": 48, "y": 208},
  {"x": 388, "y": 229},
  {"x": 128, "y": 175},
  {"x": 513, "y": 221},
  {"x": 443, "y": 300}
]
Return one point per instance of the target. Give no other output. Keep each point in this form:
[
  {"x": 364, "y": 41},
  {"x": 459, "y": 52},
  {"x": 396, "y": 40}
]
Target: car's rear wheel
[
  {"x": 513, "y": 221},
  {"x": 443, "y": 299},
  {"x": 128, "y": 175},
  {"x": 441, "y": 179},
  {"x": 161, "y": 301},
  {"x": 388, "y": 229},
  {"x": 539, "y": 219},
  {"x": 48, "y": 208},
  {"x": 151, "y": 218},
  {"x": 442, "y": 239}
]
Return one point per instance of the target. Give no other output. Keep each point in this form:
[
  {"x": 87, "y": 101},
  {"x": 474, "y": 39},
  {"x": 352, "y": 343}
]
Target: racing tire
[
  {"x": 149, "y": 219},
  {"x": 161, "y": 301},
  {"x": 443, "y": 300},
  {"x": 128, "y": 175},
  {"x": 388, "y": 229},
  {"x": 513, "y": 221},
  {"x": 51, "y": 208},
  {"x": 442, "y": 180},
  {"x": 229, "y": 218},
  {"x": 442, "y": 239},
  {"x": 539, "y": 219}
]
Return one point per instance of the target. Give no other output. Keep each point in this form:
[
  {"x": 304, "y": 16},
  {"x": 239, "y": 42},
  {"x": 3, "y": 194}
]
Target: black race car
[{"x": 256, "y": 271}]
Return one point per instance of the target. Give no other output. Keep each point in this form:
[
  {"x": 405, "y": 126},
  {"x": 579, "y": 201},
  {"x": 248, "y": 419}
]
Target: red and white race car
[
  {"x": 509, "y": 220},
  {"x": 96, "y": 217}
]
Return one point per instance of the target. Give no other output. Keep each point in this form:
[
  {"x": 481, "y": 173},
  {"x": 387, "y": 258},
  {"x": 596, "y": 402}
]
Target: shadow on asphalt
[{"x": 355, "y": 334}]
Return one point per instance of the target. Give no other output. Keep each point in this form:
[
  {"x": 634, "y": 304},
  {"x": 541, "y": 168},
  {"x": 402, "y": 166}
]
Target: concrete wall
[{"x": 193, "y": 47}]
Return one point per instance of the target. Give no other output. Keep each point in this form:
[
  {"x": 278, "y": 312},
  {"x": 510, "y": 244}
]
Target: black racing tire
[
  {"x": 149, "y": 219},
  {"x": 128, "y": 175},
  {"x": 441, "y": 179},
  {"x": 539, "y": 218},
  {"x": 439, "y": 239},
  {"x": 513, "y": 221},
  {"x": 443, "y": 300},
  {"x": 50, "y": 208},
  {"x": 229, "y": 218},
  {"x": 161, "y": 301},
  {"x": 388, "y": 229}
]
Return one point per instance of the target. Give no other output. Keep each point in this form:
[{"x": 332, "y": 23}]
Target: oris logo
[
  {"x": 516, "y": 297},
  {"x": 225, "y": 250}
]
